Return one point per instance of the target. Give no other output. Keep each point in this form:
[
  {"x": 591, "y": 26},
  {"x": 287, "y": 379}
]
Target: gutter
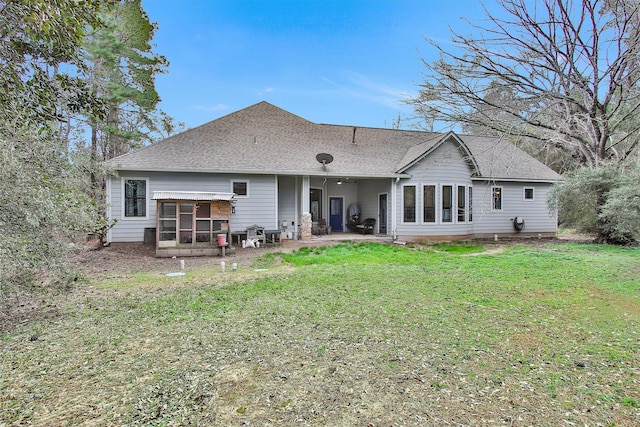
[
  {"x": 266, "y": 172},
  {"x": 537, "y": 180}
]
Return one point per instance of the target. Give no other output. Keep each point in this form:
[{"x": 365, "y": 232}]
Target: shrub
[{"x": 603, "y": 200}]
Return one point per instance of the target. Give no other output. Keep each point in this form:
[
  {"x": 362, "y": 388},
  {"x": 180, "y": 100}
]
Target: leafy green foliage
[
  {"x": 121, "y": 70},
  {"x": 41, "y": 202},
  {"x": 603, "y": 200},
  {"x": 36, "y": 38},
  {"x": 620, "y": 215},
  {"x": 58, "y": 60}
]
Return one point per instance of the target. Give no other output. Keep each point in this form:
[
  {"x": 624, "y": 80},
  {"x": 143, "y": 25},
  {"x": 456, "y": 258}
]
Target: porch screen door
[{"x": 382, "y": 214}]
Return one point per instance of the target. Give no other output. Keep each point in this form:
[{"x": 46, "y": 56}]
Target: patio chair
[
  {"x": 323, "y": 227},
  {"x": 367, "y": 226}
]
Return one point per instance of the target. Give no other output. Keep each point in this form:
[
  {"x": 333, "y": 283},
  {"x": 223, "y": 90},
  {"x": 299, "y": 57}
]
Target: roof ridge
[{"x": 264, "y": 138}]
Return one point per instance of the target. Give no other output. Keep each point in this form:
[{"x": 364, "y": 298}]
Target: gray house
[{"x": 264, "y": 170}]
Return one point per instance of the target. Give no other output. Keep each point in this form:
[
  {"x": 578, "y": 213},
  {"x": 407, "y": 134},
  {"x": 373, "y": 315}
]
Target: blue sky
[{"x": 346, "y": 62}]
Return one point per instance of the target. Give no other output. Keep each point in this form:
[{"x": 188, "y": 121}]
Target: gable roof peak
[
  {"x": 421, "y": 150},
  {"x": 265, "y": 109}
]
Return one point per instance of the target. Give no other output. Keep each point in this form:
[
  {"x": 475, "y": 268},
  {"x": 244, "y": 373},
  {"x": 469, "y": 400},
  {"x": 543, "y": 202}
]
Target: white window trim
[
  {"x": 533, "y": 193},
  {"x": 122, "y": 198},
  {"x": 469, "y": 204},
  {"x": 436, "y": 207},
  {"x": 237, "y": 196},
  {"x": 454, "y": 200},
  {"x": 402, "y": 221},
  {"x": 493, "y": 209},
  {"x": 466, "y": 203}
]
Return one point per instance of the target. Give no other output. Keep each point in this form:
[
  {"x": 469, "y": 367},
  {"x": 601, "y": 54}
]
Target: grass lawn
[{"x": 359, "y": 334}]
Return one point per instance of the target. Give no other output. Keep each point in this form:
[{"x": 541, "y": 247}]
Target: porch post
[
  {"x": 394, "y": 208},
  {"x": 305, "y": 217}
]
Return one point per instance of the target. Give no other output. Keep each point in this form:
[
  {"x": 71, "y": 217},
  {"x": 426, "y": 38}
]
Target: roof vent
[{"x": 325, "y": 159}]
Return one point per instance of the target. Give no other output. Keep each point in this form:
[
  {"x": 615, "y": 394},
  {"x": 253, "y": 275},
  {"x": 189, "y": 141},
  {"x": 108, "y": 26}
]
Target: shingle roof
[
  {"x": 499, "y": 159},
  {"x": 264, "y": 139}
]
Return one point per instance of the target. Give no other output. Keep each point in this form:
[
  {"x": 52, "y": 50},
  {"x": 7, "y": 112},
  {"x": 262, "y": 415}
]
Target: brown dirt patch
[{"x": 136, "y": 257}]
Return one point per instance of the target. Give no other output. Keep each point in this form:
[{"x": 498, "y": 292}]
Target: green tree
[
  {"x": 41, "y": 197},
  {"x": 37, "y": 37},
  {"x": 564, "y": 74},
  {"x": 42, "y": 205},
  {"x": 122, "y": 70},
  {"x": 605, "y": 197}
]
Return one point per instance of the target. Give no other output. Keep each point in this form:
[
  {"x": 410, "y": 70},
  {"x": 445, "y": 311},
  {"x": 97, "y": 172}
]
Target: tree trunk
[{"x": 94, "y": 160}]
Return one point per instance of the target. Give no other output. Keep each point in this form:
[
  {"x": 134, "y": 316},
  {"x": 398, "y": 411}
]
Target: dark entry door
[
  {"x": 335, "y": 213},
  {"x": 382, "y": 213}
]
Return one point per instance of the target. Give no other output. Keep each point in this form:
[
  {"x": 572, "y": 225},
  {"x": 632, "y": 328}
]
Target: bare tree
[{"x": 561, "y": 72}]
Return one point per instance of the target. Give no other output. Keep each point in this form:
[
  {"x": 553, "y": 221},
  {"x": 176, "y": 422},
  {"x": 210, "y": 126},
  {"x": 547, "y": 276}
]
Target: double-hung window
[
  {"x": 409, "y": 203},
  {"x": 447, "y": 203},
  {"x": 429, "y": 203},
  {"x": 470, "y": 204},
  {"x": 135, "y": 198},
  {"x": 462, "y": 203}
]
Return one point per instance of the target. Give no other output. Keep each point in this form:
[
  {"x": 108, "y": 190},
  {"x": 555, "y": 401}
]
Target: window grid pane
[
  {"x": 462, "y": 208},
  {"x": 135, "y": 198},
  {"x": 470, "y": 204},
  {"x": 497, "y": 198},
  {"x": 409, "y": 194},
  {"x": 528, "y": 193},
  {"x": 429, "y": 195},
  {"x": 240, "y": 188},
  {"x": 447, "y": 198}
]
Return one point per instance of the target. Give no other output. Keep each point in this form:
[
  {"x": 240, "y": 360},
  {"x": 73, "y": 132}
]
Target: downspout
[
  {"x": 296, "y": 201},
  {"x": 276, "y": 203}
]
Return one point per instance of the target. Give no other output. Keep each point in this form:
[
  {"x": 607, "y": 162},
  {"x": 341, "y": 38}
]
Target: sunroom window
[
  {"x": 409, "y": 203},
  {"x": 462, "y": 203},
  {"x": 470, "y": 204},
  {"x": 429, "y": 198},
  {"x": 447, "y": 203}
]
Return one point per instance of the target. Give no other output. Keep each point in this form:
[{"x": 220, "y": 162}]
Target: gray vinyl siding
[
  {"x": 287, "y": 201},
  {"x": 537, "y": 216},
  {"x": 129, "y": 229},
  {"x": 259, "y": 207},
  {"x": 445, "y": 166}
]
